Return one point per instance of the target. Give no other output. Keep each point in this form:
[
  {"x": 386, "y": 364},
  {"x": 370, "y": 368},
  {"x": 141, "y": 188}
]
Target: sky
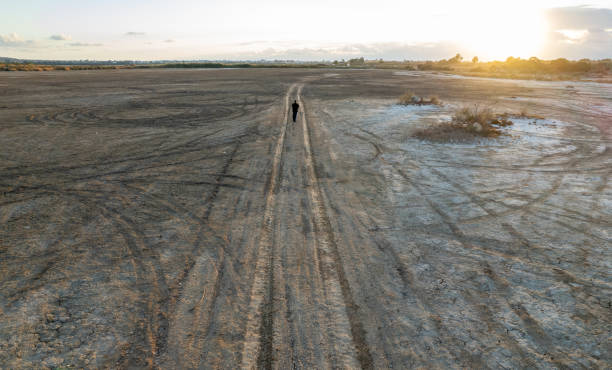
[{"x": 304, "y": 30}]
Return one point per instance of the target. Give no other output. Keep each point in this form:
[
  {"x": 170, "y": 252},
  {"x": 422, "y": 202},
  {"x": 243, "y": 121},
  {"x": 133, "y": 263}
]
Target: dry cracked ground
[{"x": 180, "y": 219}]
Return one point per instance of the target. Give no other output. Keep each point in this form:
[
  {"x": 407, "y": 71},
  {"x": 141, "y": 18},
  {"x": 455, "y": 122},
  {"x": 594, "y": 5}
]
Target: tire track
[
  {"x": 257, "y": 349},
  {"x": 206, "y": 305},
  {"x": 525, "y": 208},
  {"x": 333, "y": 270},
  {"x": 147, "y": 271},
  {"x": 533, "y": 329},
  {"x": 180, "y": 148},
  {"x": 484, "y": 311},
  {"x": 422, "y": 300}
]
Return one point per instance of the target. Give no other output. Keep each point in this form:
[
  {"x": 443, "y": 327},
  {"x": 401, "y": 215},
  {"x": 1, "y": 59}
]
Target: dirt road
[{"x": 181, "y": 219}]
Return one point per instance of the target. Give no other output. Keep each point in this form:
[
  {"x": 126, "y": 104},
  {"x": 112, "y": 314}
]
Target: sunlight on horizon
[
  {"x": 520, "y": 33},
  {"x": 315, "y": 30}
]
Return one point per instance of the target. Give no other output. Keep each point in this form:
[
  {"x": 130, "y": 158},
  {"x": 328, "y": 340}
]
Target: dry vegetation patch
[
  {"x": 469, "y": 123},
  {"x": 410, "y": 98}
]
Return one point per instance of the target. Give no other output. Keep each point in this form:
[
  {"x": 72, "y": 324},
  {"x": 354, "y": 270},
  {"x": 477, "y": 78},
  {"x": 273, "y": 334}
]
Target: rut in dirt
[{"x": 261, "y": 338}]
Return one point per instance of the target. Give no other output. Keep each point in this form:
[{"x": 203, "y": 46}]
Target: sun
[{"x": 495, "y": 34}]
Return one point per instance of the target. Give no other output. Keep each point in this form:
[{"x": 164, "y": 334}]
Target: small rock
[
  {"x": 477, "y": 127},
  {"x": 54, "y": 361}
]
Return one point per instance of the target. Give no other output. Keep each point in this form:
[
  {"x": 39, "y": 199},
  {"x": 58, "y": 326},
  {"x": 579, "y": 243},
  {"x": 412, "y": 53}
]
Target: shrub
[
  {"x": 409, "y": 98},
  {"x": 473, "y": 115},
  {"x": 466, "y": 124},
  {"x": 435, "y": 100},
  {"x": 482, "y": 122}
]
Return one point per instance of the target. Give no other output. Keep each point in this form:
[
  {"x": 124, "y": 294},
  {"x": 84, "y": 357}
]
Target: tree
[
  {"x": 357, "y": 61},
  {"x": 456, "y": 59},
  {"x": 475, "y": 60},
  {"x": 561, "y": 65}
]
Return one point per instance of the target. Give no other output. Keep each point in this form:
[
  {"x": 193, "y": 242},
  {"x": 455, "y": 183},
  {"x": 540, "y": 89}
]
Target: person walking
[{"x": 295, "y": 106}]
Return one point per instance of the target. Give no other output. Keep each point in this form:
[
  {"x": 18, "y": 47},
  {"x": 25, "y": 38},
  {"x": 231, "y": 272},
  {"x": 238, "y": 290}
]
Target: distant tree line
[
  {"x": 29, "y": 67},
  {"x": 532, "y": 65},
  {"x": 510, "y": 68}
]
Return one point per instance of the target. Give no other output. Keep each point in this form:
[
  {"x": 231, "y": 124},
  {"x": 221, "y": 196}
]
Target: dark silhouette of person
[{"x": 295, "y": 106}]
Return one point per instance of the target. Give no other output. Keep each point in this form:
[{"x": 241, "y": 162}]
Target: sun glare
[
  {"x": 500, "y": 33},
  {"x": 574, "y": 36}
]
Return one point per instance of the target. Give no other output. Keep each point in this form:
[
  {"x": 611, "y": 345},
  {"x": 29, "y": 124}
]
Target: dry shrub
[
  {"x": 480, "y": 121},
  {"x": 410, "y": 98},
  {"x": 407, "y": 98},
  {"x": 474, "y": 114},
  {"x": 524, "y": 113},
  {"x": 467, "y": 123},
  {"x": 435, "y": 100}
]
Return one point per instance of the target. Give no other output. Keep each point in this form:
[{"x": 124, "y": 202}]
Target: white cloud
[
  {"x": 579, "y": 32},
  {"x": 85, "y": 44},
  {"x": 574, "y": 36},
  {"x": 60, "y": 37},
  {"x": 135, "y": 33},
  {"x": 579, "y": 18},
  {"x": 387, "y": 51},
  {"x": 13, "y": 39}
]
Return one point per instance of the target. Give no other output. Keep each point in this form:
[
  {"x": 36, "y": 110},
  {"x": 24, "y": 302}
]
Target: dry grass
[
  {"x": 410, "y": 98},
  {"x": 473, "y": 115},
  {"x": 524, "y": 113},
  {"x": 467, "y": 124},
  {"x": 407, "y": 98}
]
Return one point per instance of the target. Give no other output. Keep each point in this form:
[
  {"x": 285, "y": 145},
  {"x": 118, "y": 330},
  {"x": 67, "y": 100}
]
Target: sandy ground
[{"x": 180, "y": 219}]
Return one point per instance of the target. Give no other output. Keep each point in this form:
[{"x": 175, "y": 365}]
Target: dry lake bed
[{"x": 180, "y": 219}]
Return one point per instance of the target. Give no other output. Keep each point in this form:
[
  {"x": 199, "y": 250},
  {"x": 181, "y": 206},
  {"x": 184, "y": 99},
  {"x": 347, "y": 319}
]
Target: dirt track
[{"x": 179, "y": 219}]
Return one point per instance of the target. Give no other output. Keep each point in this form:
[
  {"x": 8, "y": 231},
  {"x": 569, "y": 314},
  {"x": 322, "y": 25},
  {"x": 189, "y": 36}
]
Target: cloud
[
  {"x": 13, "y": 39},
  {"x": 575, "y": 32},
  {"x": 388, "y": 51},
  {"x": 169, "y": 41},
  {"x": 579, "y": 17},
  {"x": 60, "y": 37},
  {"x": 574, "y": 35},
  {"x": 251, "y": 43},
  {"x": 84, "y": 44},
  {"x": 579, "y": 32},
  {"x": 135, "y": 33}
]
